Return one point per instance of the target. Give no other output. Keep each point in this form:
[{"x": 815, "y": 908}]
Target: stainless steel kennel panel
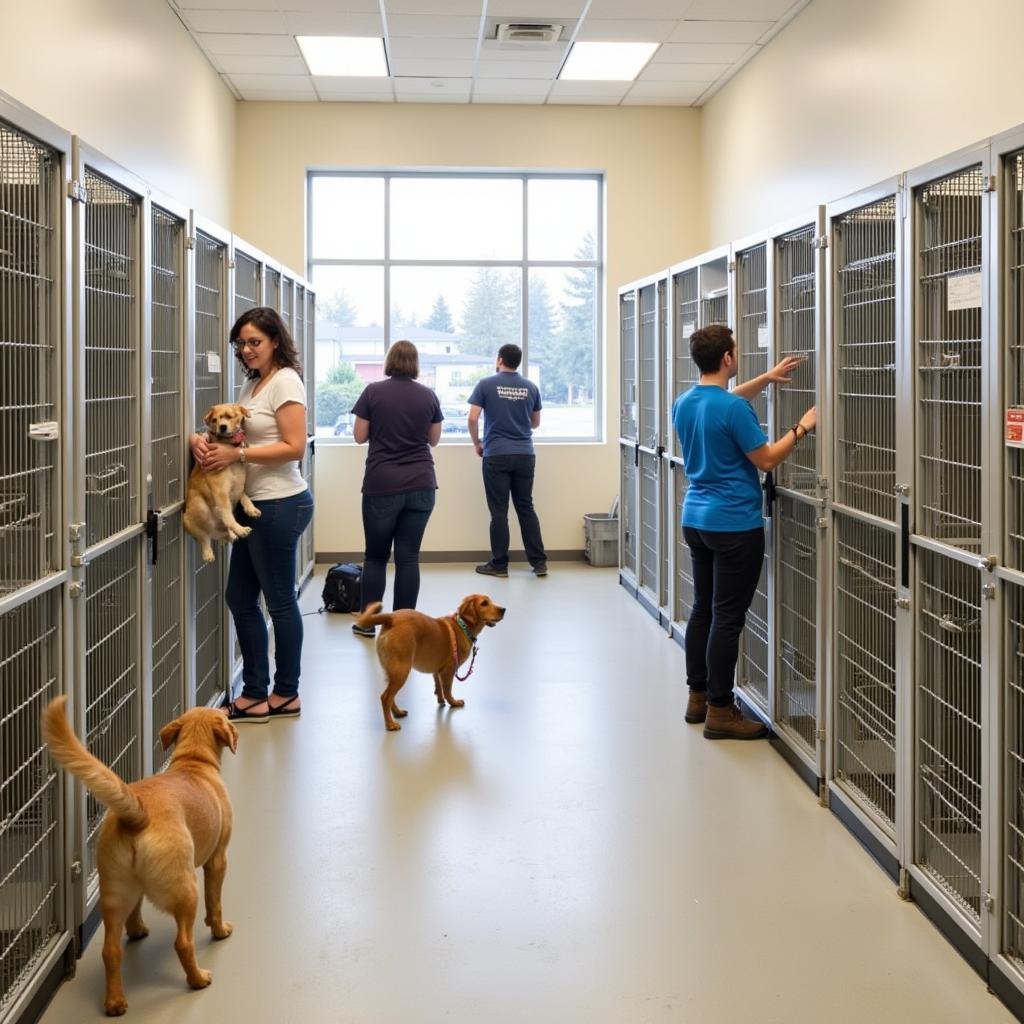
[
  {"x": 627, "y": 364},
  {"x": 288, "y": 298},
  {"x": 713, "y": 271},
  {"x": 1011, "y": 943},
  {"x": 684, "y": 299},
  {"x": 169, "y": 270},
  {"x": 36, "y": 915},
  {"x": 864, "y": 669},
  {"x": 272, "y": 286},
  {"x": 647, "y": 365},
  {"x": 682, "y": 576},
  {"x": 650, "y": 518},
  {"x": 247, "y": 293},
  {"x": 629, "y": 532},
  {"x": 212, "y": 311}
]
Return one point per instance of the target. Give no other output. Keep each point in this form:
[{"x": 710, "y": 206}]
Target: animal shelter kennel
[
  {"x": 115, "y": 307},
  {"x": 885, "y": 645}
]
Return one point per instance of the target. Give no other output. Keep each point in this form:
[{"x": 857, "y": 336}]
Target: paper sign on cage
[
  {"x": 963, "y": 291},
  {"x": 1015, "y": 427}
]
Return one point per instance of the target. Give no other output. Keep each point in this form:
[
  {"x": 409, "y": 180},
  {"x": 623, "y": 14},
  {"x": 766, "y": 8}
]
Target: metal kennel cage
[
  {"x": 271, "y": 286},
  {"x": 288, "y": 300},
  {"x": 628, "y": 525},
  {"x": 685, "y": 313},
  {"x": 649, "y": 363},
  {"x": 627, "y": 365},
  {"x": 666, "y": 526},
  {"x": 309, "y": 362},
  {"x": 247, "y": 293},
  {"x": 628, "y": 426},
  {"x": 714, "y": 287},
  {"x": 212, "y": 313},
  {"x": 35, "y": 911}
]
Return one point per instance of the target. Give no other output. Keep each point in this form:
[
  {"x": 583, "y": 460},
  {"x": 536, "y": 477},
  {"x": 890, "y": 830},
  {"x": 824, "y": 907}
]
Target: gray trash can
[{"x": 601, "y": 538}]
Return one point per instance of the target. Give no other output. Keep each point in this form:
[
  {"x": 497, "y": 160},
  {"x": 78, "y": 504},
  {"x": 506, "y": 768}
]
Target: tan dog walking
[
  {"x": 156, "y": 833},
  {"x": 411, "y": 640}
]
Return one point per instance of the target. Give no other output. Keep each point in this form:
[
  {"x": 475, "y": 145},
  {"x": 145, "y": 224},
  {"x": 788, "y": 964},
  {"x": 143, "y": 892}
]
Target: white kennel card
[
  {"x": 688, "y": 329},
  {"x": 762, "y": 336},
  {"x": 963, "y": 292},
  {"x": 1015, "y": 427},
  {"x": 213, "y": 362}
]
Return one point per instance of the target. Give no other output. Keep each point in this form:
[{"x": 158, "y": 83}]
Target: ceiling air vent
[{"x": 527, "y": 33}]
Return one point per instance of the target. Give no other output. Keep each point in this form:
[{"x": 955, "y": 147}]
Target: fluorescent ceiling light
[
  {"x": 344, "y": 56},
  {"x": 606, "y": 62}
]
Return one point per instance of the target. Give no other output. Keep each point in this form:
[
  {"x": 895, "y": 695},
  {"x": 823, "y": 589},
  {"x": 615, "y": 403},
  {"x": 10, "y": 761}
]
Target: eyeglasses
[{"x": 243, "y": 344}]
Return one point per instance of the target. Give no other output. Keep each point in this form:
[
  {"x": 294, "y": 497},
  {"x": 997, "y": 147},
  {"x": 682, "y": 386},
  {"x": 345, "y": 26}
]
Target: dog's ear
[
  {"x": 469, "y": 609},
  {"x": 243, "y": 412},
  {"x": 169, "y": 733},
  {"x": 208, "y": 418},
  {"x": 226, "y": 733}
]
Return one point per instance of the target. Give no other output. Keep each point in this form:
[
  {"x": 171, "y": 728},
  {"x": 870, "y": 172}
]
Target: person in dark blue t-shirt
[
  {"x": 723, "y": 449},
  {"x": 511, "y": 407}
]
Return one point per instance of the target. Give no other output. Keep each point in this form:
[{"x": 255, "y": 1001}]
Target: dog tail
[
  {"x": 110, "y": 790},
  {"x": 373, "y": 616}
]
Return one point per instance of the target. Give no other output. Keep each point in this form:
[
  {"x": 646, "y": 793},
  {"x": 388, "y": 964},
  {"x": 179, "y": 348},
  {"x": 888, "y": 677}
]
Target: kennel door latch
[{"x": 154, "y": 524}]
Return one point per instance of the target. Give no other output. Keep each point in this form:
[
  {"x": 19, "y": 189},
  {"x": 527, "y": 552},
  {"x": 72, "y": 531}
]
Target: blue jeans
[
  {"x": 264, "y": 562},
  {"x": 399, "y": 519}
]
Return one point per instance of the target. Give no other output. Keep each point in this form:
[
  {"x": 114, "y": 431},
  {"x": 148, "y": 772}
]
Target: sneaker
[
  {"x": 540, "y": 569},
  {"x": 729, "y": 724},
  {"x": 370, "y": 631},
  {"x": 490, "y": 569}
]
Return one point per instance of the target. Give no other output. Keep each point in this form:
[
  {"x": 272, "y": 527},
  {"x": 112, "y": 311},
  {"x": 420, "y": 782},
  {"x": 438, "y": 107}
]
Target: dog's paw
[
  {"x": 116, "y": 1007},
  {"x": 393, "y": 727},
  {"x": 399, "y": 712},
  {"x": 222, "y": 932},
  {"x": 201, "y": 980},
  {"x": 139, "y": 934},
  {"x": 208, "y": 556},
  {"x": 253, "y": 513},
  {"x": 457, "y": 703},
  {"x": 243, "y": 531}
]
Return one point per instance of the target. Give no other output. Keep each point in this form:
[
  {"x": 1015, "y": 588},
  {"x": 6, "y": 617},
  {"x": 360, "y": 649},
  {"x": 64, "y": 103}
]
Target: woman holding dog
[
  {"x": 402, "y": 421},
  {"x": 264, "y": 562}
]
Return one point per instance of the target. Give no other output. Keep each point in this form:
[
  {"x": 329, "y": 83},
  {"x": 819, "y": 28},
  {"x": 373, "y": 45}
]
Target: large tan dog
[
  {"x": 211, "y": 499},
  {"x": 157, "y": 831},
  {"x": 411, "y": 640}
]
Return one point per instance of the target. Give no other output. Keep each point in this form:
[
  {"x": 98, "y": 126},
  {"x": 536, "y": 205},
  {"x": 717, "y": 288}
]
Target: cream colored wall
[
  {"x": 851, "y": 93},
  {"x": 127, "y": 78},
  {"x": 653, "y": 218}
]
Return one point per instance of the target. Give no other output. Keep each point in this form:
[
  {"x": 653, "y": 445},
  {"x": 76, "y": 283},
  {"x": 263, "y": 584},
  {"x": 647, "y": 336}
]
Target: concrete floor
[{"x": 562, "y": 849}]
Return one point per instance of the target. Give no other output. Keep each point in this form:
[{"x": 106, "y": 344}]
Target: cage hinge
[
  {"x": 822, "y": 522},
  {"x": 821, "y": 735},
  {"x": 992, "y": 184},
  {"x": 75, "y": 531},
  {"x": 902, "y": 489},
  {"x": 988, "y": 902},
  {"x": 75, "y": 870},
  {"x": 903, "y": 602},
  {"x": 190, "y": 242},
  {"x": 79, "y": 561},
  {"x": 76, "y": 589},
  {"x": 231, "y": 264},
  {"x": 988, "y": 563},
  {"x": 77, "y": 192},
  {"x": 821, "y": 242},
  {"x": 988, "y": 591},
  {"x": 732, "y": 266},
  {"x": 903, "y": 886}
]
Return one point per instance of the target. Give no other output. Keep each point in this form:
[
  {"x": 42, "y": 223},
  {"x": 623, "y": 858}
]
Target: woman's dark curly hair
[{"x": 269, "y": 322}]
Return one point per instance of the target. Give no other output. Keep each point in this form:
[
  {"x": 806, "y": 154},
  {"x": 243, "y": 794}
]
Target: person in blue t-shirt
[
  {"x": 723, "y": 448},
  {"x": 511, "y": 407}
]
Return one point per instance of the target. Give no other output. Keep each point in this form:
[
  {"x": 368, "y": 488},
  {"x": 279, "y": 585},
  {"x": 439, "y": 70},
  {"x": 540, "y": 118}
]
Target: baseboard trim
[
  {"x": 955, "y": 936},
  {"x": 560, "y": 555},
  {"x": 881, "y": 855}
]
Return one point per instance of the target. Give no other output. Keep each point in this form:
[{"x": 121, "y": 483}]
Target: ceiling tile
[
  {"x": 228, "y": 5},
  {"x": 536, "y": 10},
  {"x": 262, "y": 65},
  {"x": 517, "y": 69},
  {"x": 739, "y": 10},
  {"x": 443, "y": 49},
  {"x": 609, "y": 91},
  {"x": 655, "y": 101},
  {"x": 532, "y": 88},
  {"x": 352, "y": 88},
  {"x": 259, "y": 96},
  {"x": 604, "y": 30},
  {"x": 706, "y": 73},
  {"x": 427, "y": 89},
  {"x": 669, "y": 90},
  {"x": 719, "y": 31},
  {"x": 312, "y": 23},
  {"x": 513, "y": 99},
  {"x": 349, "y": 6},
  {"x": 435, "y": 68},
  {"x": 700, "y": 53},
  {"x": 258, "y": 46},
  {"x": 424, "y": 26},
  {"x": 492, "y": 50},
  {"x": 670, "y": 10},
  {"x": 248, "y": 22},
  {"x": 457, "y": 7},
  {"x": 272, "y": 83}
]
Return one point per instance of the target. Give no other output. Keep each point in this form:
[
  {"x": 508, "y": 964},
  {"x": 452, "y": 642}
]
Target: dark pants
[
  {"x": 399, "y": 519},
  {"x": 726, "y": 569},
  {"x": 506, "y": 475},
  {"x": 265, "y": 562}
]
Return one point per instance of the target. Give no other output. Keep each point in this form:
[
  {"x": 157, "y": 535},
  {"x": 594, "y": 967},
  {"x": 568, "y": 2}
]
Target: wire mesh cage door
[
  {"x": 628, "y": 365},
  {"x": 647, "y": 367},
  {"x": 650, "y": 518},
  {"x": 683, "y": 372},
  {"x": 629, "y": 530},
  {"x": 271, "y": 287},
  {"x": 246, "y": 292},
  {"x": 309, "y": 362},
  {"x": 682, "y": 578},
  {"x": 666, "y": 511},
  {"x": 754, "y": 344},
  {"x": 1012, "y": 938},
  {"x": 34, "y": 647},
  {"x": 306, "y": 556},
  {"x": 288, "y": 301},
  {"x": 166, "y": 574},
  {"x": 111, "y": 385},
  {"x": 714, "y": 291},
  {"x": 211, "y": 313},
  {"x": 1011, "y": 245}
]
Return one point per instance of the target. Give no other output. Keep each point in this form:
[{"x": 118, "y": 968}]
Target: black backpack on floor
[{"x": 342, "y": 587}]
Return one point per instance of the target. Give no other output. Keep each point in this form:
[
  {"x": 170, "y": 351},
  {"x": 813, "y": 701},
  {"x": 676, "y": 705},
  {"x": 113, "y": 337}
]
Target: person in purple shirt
[{"x": 402, "y": 421}]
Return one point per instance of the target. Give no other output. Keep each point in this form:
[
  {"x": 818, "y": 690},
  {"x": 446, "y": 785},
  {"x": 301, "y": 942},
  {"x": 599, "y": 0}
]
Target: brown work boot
[
  {"x": 697, "y": 707},
  {"x": 729, "y": 724}
]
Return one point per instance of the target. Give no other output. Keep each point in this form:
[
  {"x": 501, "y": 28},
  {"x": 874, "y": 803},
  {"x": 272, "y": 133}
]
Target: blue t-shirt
[
  {"x": 716, "y": 429},
  {"x": 509, "y": 401}
]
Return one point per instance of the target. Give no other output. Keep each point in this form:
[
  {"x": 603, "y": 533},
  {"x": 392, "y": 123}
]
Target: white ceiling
[{"x": 443, "y": 51}]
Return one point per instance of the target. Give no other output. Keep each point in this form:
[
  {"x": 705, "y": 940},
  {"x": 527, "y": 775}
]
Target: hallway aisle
[{"x": 563, "y": 849}]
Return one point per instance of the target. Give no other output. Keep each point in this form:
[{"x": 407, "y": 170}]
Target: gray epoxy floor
[{"x": 562, "y": 849}]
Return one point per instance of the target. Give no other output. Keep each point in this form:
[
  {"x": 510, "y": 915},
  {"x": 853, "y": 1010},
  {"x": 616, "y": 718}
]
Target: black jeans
[
  {"x": 506, "y": 475},
  {"x": 399, "y": 519},
  {"x": 726, "y": 569}
]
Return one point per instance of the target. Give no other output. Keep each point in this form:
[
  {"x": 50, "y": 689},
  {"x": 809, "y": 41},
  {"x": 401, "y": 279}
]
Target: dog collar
[
  {"x": 237, "y": 438},
  {"x": 460, "y": 622}
]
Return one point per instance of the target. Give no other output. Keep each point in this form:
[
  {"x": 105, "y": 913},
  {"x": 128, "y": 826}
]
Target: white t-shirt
[{"x": 264, "y": 482}]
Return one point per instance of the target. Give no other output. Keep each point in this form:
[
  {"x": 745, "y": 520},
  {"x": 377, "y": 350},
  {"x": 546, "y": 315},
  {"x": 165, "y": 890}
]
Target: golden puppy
[
  {"x": 157, "y": 832},
  {"x": 411, "y": 640},
  {"x": 211, "y": 499}
]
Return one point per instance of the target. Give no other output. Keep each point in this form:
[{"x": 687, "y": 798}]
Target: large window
[{"x": 459, "y": 264}]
